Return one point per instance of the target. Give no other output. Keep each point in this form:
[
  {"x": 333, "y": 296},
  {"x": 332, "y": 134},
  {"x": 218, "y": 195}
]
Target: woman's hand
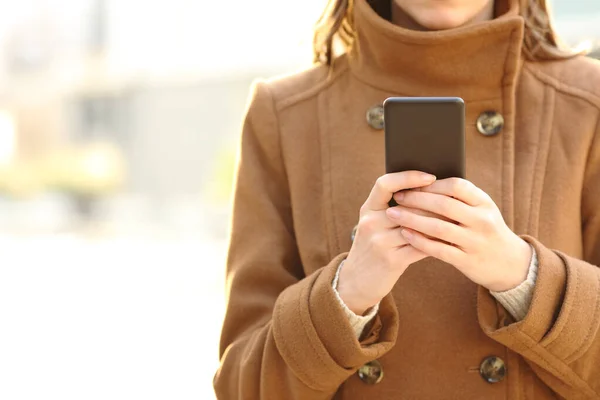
[
  {"x": 478, "y": 242},
  {"x": 379, "y": 253}
]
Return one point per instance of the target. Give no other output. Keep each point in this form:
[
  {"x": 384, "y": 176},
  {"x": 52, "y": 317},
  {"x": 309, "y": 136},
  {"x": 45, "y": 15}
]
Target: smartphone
[{"x": 425, "y": 134}]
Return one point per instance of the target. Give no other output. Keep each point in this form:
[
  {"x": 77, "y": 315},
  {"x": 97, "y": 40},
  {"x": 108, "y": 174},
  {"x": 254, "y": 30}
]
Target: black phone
[{"x": 425, "y": 134}]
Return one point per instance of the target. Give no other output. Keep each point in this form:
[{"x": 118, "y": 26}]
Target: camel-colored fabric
[
  {"x": 516, "y": 300},
  {"x": 308, "y": 161}
]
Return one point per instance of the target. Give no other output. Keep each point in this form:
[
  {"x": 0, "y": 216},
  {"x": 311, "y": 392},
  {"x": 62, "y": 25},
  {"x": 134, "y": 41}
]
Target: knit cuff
[
  {"x": 358, "y": 322},
  {"x": 518, "y": 300}
]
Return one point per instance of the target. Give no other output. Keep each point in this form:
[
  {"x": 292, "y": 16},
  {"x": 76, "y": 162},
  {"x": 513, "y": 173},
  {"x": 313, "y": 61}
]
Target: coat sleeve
[
  {"x": 285, "y": 335},
  {"x": 560, "y": 336}
]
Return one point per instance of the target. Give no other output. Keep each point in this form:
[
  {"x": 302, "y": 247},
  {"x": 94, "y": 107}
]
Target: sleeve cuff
[
  {"x": 314, "y": 336},
  {"x": 564, "y": 310},
  {"x": 518, "y": 300},
  {"x": 358, "y": 322}
]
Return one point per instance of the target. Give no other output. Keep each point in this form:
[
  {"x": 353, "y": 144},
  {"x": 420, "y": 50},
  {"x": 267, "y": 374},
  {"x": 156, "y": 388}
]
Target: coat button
[
  {"x": 375, "y": 117},
  {"x": 490, "y": 123},
  {"x": 353, "y": 233},
  {"x": 371, "y": 373},
  {"x": 492, "y": 369}
]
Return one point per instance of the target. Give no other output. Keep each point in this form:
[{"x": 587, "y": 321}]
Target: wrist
[
  {"x": 518, "y": 275},
  {"x": 349, "y": 294}
]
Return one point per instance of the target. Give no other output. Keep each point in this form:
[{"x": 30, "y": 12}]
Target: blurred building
[
  {"x": 80, "y": 76},
  {"x": 163, "y": 82}
]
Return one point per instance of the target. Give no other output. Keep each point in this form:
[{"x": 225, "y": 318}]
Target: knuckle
[
  {"x": 364, "y": 210},
  {"x": 458, "y": 185},
  {"x": 487, "y": 221},
  {"x": 381, "y": 183},
  {"x": 368, "y": 223},
  {"x": 488, "y": 199},
  {"x": 378, "y": 242}
]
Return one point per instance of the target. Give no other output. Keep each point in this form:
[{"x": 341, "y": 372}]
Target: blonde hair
[{"x": 336, "y": 26}]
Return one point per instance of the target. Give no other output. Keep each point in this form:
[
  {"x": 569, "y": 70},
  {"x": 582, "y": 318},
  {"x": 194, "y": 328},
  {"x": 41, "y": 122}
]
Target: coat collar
[{"x": 474, "y": 62}]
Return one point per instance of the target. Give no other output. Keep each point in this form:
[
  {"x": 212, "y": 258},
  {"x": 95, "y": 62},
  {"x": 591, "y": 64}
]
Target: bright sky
[
  {"x": 213, "y": 35},
  {"x": 7, "y": 138},
  {"x": 196, "y": 35}
]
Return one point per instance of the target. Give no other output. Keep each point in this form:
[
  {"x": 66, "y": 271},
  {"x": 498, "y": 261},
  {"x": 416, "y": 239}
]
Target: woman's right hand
[{"x": 379, "y": 254}]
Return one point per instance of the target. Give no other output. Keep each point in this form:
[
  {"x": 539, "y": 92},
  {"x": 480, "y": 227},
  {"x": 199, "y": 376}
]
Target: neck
[{"x": 401, "y": 18}]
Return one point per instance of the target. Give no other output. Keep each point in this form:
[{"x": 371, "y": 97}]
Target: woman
[{"x": 502, "y": 297}]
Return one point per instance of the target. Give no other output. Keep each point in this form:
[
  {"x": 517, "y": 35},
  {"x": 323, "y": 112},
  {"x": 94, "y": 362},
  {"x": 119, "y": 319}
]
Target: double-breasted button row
[
  {"x": 489, "y": 123},
  {"x": 492, "y": 369}
]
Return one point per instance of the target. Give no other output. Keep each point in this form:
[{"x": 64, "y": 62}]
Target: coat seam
[
  {"x": 572, "y": 274},
  {"x": 279, "y": 135},
  {"x": 510, "y": 84},
  {"x": 313, "y": 90},
  {"x": 582, "y": 384},
  {"x": 590, "y": 330},
  {"x": 505, "y": 87},
  {"x": 336, "y": 239},
  {"x": 586, "y": 95},
  {"x": 549, "y": 367},
  {"x": 532, "y": 347},
  {"x": 595, "y": 138},
  {"x": 531, "y": 195},
  {"x": 542, "y": 152},
  {"x": 292, "y": 229},
  {"x": 326, "y": 183}
]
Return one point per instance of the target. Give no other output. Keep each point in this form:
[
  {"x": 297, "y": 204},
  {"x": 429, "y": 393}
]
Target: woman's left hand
[{"x": 475, "y": 240}]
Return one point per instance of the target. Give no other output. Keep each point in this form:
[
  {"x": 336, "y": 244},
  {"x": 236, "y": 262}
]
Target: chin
[{"x": 437, "y": 20}]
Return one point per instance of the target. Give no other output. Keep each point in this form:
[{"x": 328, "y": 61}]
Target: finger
[
  {"x": 387, "y": 239},
  {"x": 407, "y": 255},
  {"x": 442, "y": 251},
  {"x": 429, "y": 214},
  {"x": 388, "y": 184},
  {"x": 374, "y": 222},
  {"x": 460, "y": 189},
  {"x": 445, "y": 206},
  {"x": 416, "y": 211},
  {"x": 434, "y": 227},
  {"x": 398, "y": 239}
]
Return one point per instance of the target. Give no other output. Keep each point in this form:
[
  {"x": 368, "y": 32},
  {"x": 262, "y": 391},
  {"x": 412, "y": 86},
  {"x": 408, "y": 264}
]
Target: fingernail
[
  {"x": 429, "y": 177},
  {"x": 399, "y": 196},
  {"x": 407, "y": 234}
]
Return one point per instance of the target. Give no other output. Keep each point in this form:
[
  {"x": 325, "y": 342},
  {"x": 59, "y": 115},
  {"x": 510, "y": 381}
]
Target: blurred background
[{"x": 119, "y": 125}]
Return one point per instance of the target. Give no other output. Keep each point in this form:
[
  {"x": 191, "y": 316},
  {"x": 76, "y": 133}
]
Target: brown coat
[{"x": 308, "y": 162}]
